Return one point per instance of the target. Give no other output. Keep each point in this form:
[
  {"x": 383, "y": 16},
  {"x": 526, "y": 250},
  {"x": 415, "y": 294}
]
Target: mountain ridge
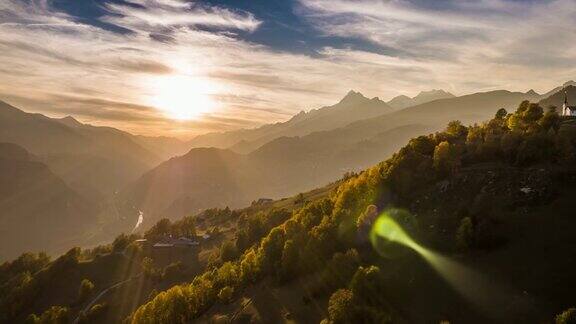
[
  {"x": 292, "y": 164},
  {"x": 403, "y": 101},
  {"x": 77, "y": 151},
  {"x": 38, "y": 210},
  {"x": 353, "y": 106}
]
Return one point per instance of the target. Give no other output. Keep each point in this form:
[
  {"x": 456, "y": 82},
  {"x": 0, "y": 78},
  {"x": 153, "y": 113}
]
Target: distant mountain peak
[
  {"x": 299, "y": 116},
  {"x": 559, "y": 88},
  {"x": 532, "y": 92},
  {"x": 557, "y": 99},
  {"x": 70, "y": 121},
  {"x": 434, "y": 92},
  {"x": 353, "y": 97},
  {"x": 403, "y": 101}
]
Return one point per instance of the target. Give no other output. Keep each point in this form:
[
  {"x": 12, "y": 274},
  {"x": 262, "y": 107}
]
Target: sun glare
[{"x": 182, "y": 97}]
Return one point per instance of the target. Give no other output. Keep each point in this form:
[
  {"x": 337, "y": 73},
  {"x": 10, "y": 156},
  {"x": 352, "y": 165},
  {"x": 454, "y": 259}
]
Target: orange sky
[{"x": 187, "y": 69}]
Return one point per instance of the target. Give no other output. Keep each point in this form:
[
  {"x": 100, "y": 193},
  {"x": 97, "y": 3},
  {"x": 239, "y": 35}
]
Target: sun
[{"x": 182, "y": 97}]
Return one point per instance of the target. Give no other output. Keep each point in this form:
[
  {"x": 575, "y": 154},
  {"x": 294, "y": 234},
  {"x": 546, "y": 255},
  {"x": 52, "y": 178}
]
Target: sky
[{"x": 182, "y": 68}]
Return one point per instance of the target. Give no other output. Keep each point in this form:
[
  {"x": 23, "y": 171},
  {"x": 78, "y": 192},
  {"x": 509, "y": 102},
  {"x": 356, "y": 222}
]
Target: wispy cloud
[
  {"x": 511, "y": 43},
  {"x": 49, "y": 56},
  {"x": 149, "y": 15},
  {"x": 55, "y": 63}
]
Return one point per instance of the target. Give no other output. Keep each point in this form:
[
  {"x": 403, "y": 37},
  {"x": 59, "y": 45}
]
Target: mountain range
[
  {"x": 114, "y": 175},
  {"x": 288, "y": 165},
  {"x": 62, "y": 183},
  {"x": 404, "y": 101},
  {"x": 354, "y": 106},
  {"x": 94, "y": 160}
]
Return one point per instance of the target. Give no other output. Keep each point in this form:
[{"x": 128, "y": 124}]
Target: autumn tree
[
  {"x": 228, "y": 251},
  {"x": 86, "y": 288},
  {"x": 340, "y": 306},
  {"x": 53, "y": 315},
  {"x": 566, "y": 317},
  {"x": 367, "y": 285},
  {"x": 160, "y": 229},
  {"x": 225, "y": 294},
  {"x": 446, "y": 158},
  {"x": 249, "y": 266},
  {"x": 501, "y": 114},
  {"x": 550, "y": 121},
  {"x": 455, "y": 129},
  {"x": 186, "y": 226},
  {"x": 289, "y": 260}
]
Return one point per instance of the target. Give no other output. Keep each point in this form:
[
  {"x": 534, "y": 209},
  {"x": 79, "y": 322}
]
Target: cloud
[
  {"x": 57, "y": 64},
  {"x": 151, "y": 14},
  {"x": 143, "y": 67},
  {"x": 94, "y": 68},
  {"x": 512, "y": 43}
]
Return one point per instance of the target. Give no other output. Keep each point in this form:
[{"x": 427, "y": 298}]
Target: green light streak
[
  {"x": 386, "y": 234},
  {"x": 387, "y": 228}
]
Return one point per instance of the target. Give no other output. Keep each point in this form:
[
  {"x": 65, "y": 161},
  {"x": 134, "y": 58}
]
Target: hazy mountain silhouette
[
  {"x": 38, "y": 210},
  {"x": 354, "y": 106},
  {"x": 163, "y": 146},
  {"x": 557, "y": 99},
  {"x": 94, "y": 160},
  {"x": 202, "y": 178},
  {"x": 403, "y": 101},
  {"x": 284, "y": 166},
  {"x": 555, "y": 90}
]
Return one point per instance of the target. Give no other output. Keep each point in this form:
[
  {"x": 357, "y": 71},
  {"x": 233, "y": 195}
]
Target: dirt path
[{"x": 101, "y": 294}]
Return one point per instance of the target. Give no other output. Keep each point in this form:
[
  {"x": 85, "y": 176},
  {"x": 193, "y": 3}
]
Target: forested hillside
[
  {"x": 491, "y": 199},
  {"x": 497, "y": 194},
  {"x": 105, "y": 284}
]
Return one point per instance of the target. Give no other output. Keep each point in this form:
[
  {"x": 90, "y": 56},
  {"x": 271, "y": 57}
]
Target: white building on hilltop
[{"x": 568, "y": 110}]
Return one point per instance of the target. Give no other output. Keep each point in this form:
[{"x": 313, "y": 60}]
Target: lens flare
[
  {"x": 389, "y": 238},
  {"x": 393, "y": 227}
]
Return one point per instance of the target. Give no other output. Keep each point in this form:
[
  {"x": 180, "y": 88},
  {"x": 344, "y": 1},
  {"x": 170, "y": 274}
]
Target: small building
[
  {"x": 568, "y": 110},
  {"x": 262, "y": 201},
  {"x": 178, "y": 243},
  {"x": 163, "y": 245},
  {"x": 185, "y": 242}
]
